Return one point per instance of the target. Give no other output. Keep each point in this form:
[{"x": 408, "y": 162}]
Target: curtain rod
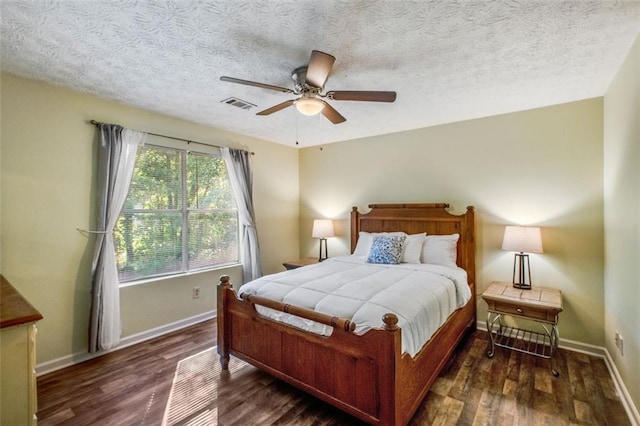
[{"x": 188, "y": 141}]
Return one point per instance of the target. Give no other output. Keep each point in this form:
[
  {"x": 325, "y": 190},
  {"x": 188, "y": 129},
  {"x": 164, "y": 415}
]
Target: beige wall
[
  {"x": 539, "y": 167},
  {"x": 622, "y": 220},
  {"x": 48, "y": 184}
]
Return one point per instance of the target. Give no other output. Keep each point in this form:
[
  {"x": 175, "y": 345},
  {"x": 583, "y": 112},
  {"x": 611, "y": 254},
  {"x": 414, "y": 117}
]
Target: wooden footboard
[{"x": 353, "y": 373}]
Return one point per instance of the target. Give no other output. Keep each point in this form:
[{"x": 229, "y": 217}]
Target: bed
[{"x": 368, "y": 376}]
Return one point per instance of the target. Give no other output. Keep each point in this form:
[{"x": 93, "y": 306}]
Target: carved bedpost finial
[
  {"x": 390, "y": 322},
  {"x": 225, "y": 281}
]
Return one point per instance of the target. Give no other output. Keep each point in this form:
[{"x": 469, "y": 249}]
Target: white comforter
[{"x": 421, "y": 295}]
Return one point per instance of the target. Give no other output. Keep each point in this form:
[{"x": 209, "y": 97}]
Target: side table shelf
[{"x": 540, "y": 305}]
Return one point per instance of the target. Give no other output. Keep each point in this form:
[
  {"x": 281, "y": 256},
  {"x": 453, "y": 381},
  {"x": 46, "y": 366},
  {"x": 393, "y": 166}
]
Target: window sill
[{"x": 177, "y": 276}]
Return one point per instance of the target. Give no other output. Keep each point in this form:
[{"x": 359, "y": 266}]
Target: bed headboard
[{"x": 415, "y": 218}]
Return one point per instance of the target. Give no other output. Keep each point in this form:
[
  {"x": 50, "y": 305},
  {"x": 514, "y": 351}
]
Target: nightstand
[
  {"x": 293, "y": 264},
  {"x": 538, "y": 304}
]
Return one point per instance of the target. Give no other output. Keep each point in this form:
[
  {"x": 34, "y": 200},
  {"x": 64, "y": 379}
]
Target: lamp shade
[
  {"x": 524, "y": 239},
  {"x": 322, "y": 228},
  {"x": 309, "y": 106}
]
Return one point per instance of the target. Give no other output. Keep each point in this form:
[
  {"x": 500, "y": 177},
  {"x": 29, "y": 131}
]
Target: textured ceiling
[{"x": 447, "y": 60}]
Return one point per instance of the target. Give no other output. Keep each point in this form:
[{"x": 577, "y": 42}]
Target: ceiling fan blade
[
  {"x": 333, "y": 115},
  {"x": 319, "y": 68},
  {"x": 367, "y": 96},
  {"x": 276, "y": 108},
  {"x": 255, "y": 84}
]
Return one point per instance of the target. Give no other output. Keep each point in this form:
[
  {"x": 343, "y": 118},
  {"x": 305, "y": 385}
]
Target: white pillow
[
  {"x": 413, "y": 248},
  {"x": 365, "y": 240},
  {"x": 440, "y": 249}
]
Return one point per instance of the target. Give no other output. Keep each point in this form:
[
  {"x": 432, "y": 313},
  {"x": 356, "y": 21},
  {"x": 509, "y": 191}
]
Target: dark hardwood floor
[{"x": 131, "y": 387}]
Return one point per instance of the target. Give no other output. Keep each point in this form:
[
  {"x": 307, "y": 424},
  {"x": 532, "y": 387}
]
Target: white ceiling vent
[{"x": 238, "y": 103}]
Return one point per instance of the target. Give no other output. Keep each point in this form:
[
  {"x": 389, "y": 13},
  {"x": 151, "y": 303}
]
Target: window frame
[{"x": 161, "y": 142}]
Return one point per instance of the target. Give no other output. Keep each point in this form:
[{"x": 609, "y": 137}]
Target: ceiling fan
[{"x": 309, "y": 83}]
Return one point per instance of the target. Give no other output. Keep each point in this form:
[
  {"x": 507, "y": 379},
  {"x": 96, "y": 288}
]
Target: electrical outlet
[
  {"x": 196, "y": 292},
  {"x": 620, "y": 343}
]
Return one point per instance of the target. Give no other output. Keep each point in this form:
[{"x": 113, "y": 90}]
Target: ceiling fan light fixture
[{"x": 309, "y": 106}]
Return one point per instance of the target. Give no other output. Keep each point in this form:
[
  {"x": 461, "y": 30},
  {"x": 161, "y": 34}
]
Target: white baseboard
[
  {"x": 600, "y": 352},
  {"x": 627, "y": 402},
  {"x": 78, "y": 357}
]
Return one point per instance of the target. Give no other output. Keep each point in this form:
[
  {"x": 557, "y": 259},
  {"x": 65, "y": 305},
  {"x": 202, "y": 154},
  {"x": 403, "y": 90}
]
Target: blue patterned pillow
[{"x": 386, "y": 249}]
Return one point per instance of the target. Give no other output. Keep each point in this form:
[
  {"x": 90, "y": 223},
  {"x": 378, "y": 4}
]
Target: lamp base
[
  {"x": 521, "y": 263},
  {"x": 323, "y": 242},
  {"x": 522, "y": 286}
]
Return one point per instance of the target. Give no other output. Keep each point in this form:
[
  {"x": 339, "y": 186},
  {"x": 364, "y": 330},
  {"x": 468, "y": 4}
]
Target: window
[{"x": 180, "y": 215}]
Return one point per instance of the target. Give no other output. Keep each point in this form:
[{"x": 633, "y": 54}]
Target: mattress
[{"x": 422, "y": 295}]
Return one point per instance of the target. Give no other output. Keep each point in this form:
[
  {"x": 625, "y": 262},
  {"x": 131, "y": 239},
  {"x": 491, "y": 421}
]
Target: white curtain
[
  {"x": 238, "y": 164},
  {"x": 116, "y": 160}
]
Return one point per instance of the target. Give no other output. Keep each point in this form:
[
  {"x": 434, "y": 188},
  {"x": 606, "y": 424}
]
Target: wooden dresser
[{"x": 18, "y": 354}]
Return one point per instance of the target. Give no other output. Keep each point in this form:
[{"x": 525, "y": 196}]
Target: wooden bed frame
[{"x": 366, "y": 376}]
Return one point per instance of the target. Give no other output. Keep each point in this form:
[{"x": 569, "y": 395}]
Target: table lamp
[
  {"x": 523, "y": 240},
  {"x": 323, "y": 228}
]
